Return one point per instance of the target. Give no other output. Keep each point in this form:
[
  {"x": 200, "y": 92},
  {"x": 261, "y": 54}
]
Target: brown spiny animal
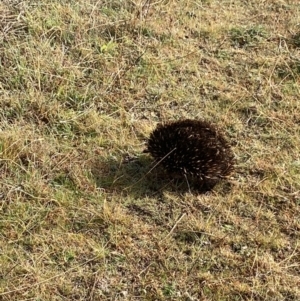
[{"x": 194, "y": 149}]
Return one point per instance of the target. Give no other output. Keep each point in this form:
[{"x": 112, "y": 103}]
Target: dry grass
[{"x": 82, "y": 84}]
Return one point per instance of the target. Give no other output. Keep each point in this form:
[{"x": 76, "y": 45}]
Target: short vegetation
[{"x": 83, "y": 213}]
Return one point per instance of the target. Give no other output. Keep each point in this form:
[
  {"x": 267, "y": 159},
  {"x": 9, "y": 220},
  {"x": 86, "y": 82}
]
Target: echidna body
[{"x": 192, "y": 148}]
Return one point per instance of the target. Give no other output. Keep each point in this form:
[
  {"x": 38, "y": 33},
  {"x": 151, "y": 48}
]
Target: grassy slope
[{"x": 82, "y": 84}]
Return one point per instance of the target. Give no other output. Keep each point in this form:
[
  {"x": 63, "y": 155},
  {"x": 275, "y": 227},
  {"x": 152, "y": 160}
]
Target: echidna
[{"x": 193, "y": 149}]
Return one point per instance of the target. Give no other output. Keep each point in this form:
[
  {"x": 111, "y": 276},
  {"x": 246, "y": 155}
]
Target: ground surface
[{"x": 82, "y": 84}]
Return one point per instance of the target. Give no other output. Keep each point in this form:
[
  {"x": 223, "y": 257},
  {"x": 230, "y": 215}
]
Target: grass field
[{"x": 82, "y": 85}]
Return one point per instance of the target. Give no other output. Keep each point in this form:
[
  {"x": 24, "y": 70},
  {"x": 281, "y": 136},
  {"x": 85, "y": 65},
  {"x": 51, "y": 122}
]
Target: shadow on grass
[
  {"x": 154, "y": 195},
  {"x": 137, "y": 176}
]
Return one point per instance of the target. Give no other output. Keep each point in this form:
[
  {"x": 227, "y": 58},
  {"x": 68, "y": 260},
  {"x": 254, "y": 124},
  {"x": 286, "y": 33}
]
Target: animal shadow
[{"x": 139, "y": 176}]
